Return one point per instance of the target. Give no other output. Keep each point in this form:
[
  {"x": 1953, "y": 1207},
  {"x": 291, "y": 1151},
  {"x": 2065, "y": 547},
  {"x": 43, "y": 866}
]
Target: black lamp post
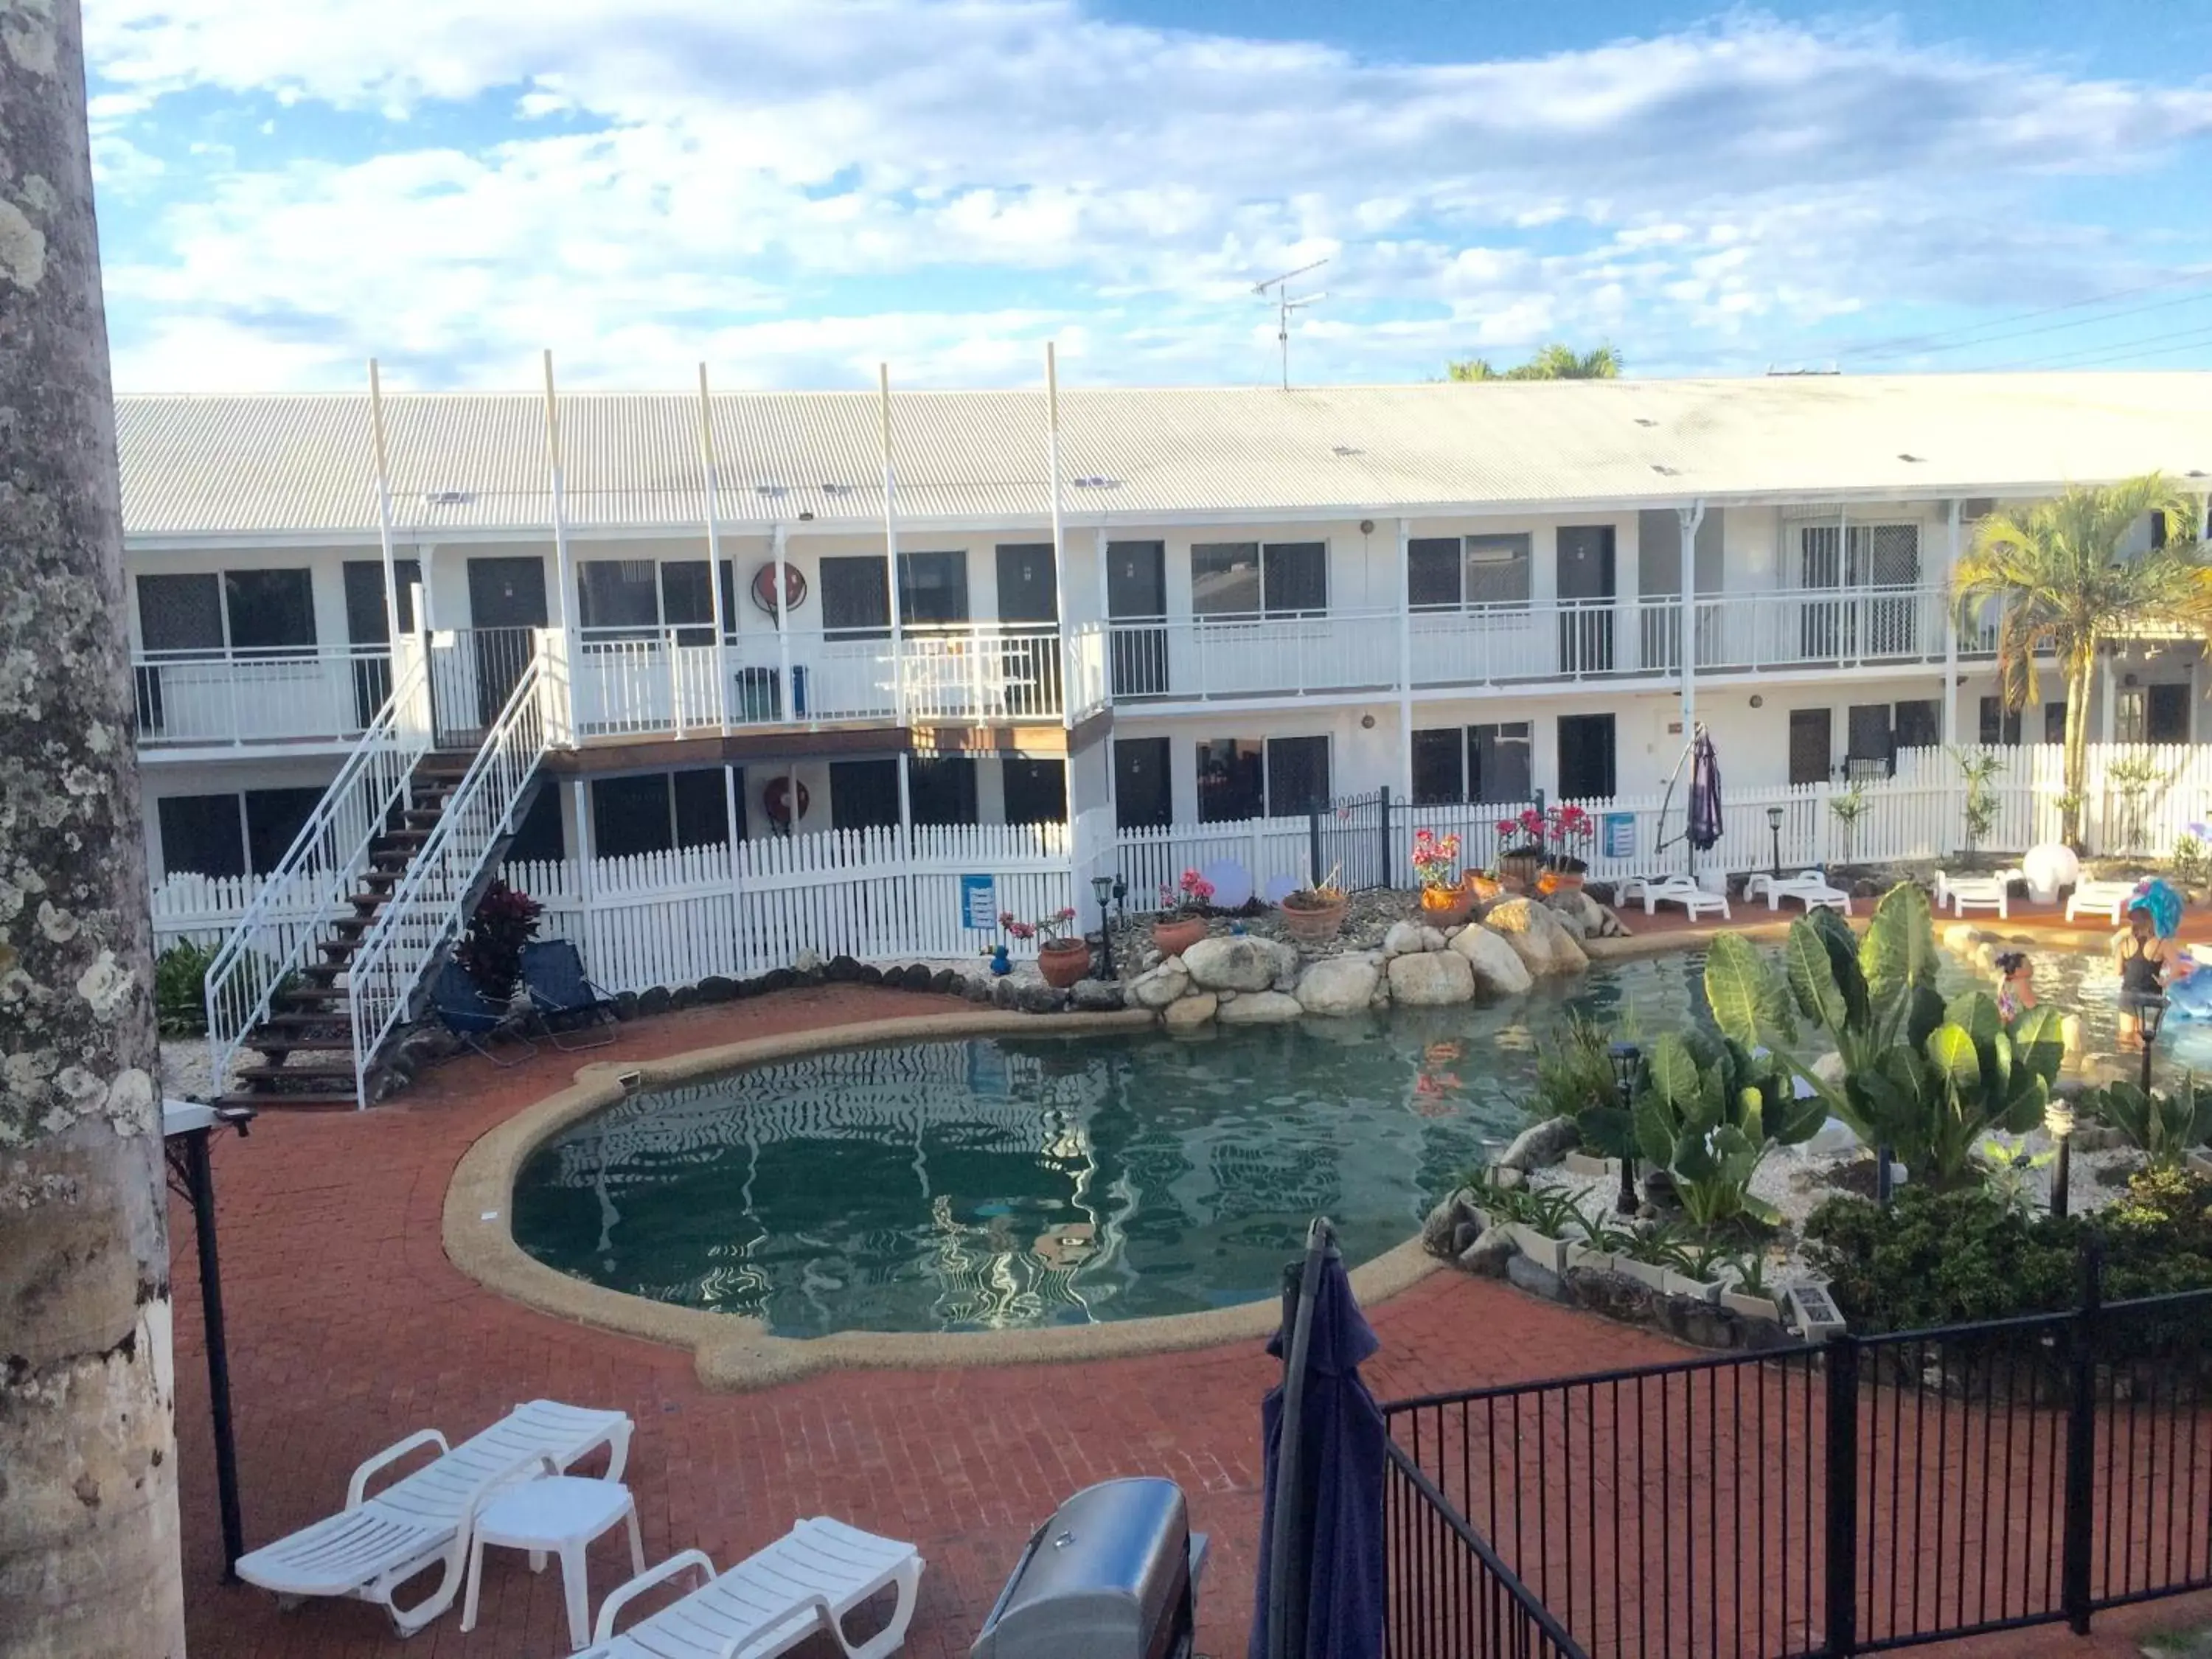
[
  {"x": 2058, "y": 1119},
  {"x": 1774, "y": 834},
  {"x": 1627, "y": 1058},
  {"x": 2150, "y": 1015},
  {"x": 1102, "y": 888}
]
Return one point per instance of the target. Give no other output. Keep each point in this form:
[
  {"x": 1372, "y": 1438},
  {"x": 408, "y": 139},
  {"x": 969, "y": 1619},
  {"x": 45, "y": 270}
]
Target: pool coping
[{"x": 732, "y": 1353}]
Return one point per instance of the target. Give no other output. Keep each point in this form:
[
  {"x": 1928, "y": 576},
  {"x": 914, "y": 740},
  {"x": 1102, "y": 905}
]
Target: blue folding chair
[
  {"x": 473, "y": 1017},
  {"x": 553, "y": 974}
]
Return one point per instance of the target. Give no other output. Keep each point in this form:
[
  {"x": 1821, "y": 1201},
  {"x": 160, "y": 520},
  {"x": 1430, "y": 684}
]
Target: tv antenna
[{"x": 1284, "y": 304}]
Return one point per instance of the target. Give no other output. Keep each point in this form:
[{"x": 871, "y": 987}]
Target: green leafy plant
[
  {"x": 1500, "y": 1202},
  {"x": 1658, "y": 1246},
  {"x": 1849, "y": 808},
  {"x": 1978, "y": 767},
  {"x": 2165, "y": 1128},
  {"x": 2009, "y": 1171},
  {"x": 1574, "y": 1073},
  {"x": 491, "y": 950},
  {"x": 1926, "y": 1079},
  {"x": 180, "y": 989},
  {"x": 2190, "y": 863},
  {"x": 1602, "y": 1233},
  {"x": 1751, "y": 1270},
  {"x": 1551, "y": 1211},
  {"x": 1694, "y": 1258},
  {"x": 2132, "y": 779},
  {"x": 1706, "y": 1111}
]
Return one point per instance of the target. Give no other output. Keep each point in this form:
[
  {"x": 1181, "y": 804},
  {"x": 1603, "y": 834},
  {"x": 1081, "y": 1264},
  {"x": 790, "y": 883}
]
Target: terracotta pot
[
  {"x": 1064, "y": 961},
  {"x": 1172, "y": 939},
  {"x": 1445, "y": 906},
  {"x": 1518, "y": 871},
  {"x": 1314, "y": 926}
]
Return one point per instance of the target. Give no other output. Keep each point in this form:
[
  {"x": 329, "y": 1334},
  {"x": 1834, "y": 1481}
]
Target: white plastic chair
[
  {"x": 1964, "y": 893},
  {"x": 376, "y": 1544},
  {"x": 807, "y": 1581},
  {"x": 2100, "y": 898},
  {"x": 1655, "y": 890},
  {"x": 1808, "y": 887}
]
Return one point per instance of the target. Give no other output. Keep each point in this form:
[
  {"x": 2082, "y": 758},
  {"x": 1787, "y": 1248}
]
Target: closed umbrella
[
  {"x": 1321, "y": 1533},
  {"x": 1704, "y": 818}
]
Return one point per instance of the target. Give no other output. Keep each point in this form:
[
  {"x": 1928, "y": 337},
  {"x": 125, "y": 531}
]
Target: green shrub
[
  {"x": 180, "y": 989},
  {"x": 2164, "y": 1127},
  {"x": 1706, "y": 1111}
]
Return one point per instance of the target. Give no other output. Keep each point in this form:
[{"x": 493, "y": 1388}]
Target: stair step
[
  {"x": 339, "y": 949},
  {"x": 367, "y": 904},
  {"x": 393, "y": 837},
  {"x": 380, "y": 878},
  {"x": 299, "y": 1103},
  {"x": 424, "y": 815},
  {"x": 314, "y": 994},
  {"x": 319, "y": 973},
  {"x": 327, "y": 1072}
]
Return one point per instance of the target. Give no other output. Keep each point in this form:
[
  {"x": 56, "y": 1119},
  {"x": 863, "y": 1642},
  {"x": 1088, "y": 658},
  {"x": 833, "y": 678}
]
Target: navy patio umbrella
[
  {"x": 1705, "y": 819},
  {"x": 1321, "y": 1580}
]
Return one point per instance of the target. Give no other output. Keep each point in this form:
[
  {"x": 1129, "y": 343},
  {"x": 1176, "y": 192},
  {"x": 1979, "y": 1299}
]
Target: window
[
  {"x": 933, "y": 588},
  {"x": 688, "y": 604},
  {"x": 540, "y": 835},
  {"x": 1998, "y": 724},
  {"x": 2054, "y": 722},
  {"x": 2167, "y": 717},
  {"x": 366, "y": 622},
  {"x": 1920, "y": 723},
  {"x": 1439, "y": 756},
  {"x": 943, "y": 790},
  {"x": 2128, "y": 714},
  {"x": 618, "y": 593},
  {"x": 1244, "y": 579},
  {"x": 1499, "y": 762},
  {"x": 1812, "y": 740},
  {"x": 1298, "y": 775},
  {"x": 201, "y": 835},
  {"x": 1498, "y": 569},
  {"x": 855, "y": 602},
  {"x": 1143, "y": 796},
  {"x": 1873, "y": 748},
  {"x": 270, "y": 610},
  {"x": 273, "y": 818},
  {"x": 1433, "y": 573},
  {"x": 864, "y": 795},
  {"x": 1586, "y": 756},
  {"x": 1231, "y": 781},
  {"x": 181, "y": 613},
  {"x": 629, "y": 815},
  {"x": 1036, "y": 790}
]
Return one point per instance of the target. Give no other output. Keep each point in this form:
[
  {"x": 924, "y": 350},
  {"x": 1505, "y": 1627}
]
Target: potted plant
[
  {"x": 1448, "y": 897},
  {"x": 1181, "y": 921},
  {"x": 1061, "y": 959},
  {"x": 1566, "y": 828},
  {"x": 1313, "y": 915},
  {"x": 1542, "y": 1229},
  {"x": 1519, "y": 863},
  {"x": 1604, "y": 1243},
  {"x": 1751, "y": 1294},
  {"x": 1644, "y": 1256},
  {"x": 1693, "y": 1270}
]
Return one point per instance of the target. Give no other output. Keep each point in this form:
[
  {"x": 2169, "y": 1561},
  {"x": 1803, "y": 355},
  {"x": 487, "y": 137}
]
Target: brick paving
[{"x": 349, "y": 1328}]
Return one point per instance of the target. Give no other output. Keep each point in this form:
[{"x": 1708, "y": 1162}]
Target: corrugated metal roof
[{"x": 476, "y": 462}]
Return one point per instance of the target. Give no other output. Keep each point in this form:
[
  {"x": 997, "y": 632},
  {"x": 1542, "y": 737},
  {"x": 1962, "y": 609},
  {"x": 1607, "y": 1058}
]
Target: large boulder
[
  {"x": 1491, "y": 1255},
  {"x": 1541, "y": 1145},
  {"x": 1188, "y": 1013},
  {"x": 1404, "y": 939},
  {"x": 1498, "y": 967},
  {"x": 1160, "y": 986},
  {"x": 1535, "y": 934},
  {"x": 1259, "y": 1008},
  {"x": 1096, "y": 996},
  {"x": 1568, "y": 956},
  {"x": 1433, "y": 979},
  {"x": 1239, "y": 962},
  {"x": 1339, "y": 985}
]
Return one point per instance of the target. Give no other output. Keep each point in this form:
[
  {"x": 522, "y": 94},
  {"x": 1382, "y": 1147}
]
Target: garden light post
[
  {"x": 1626, "y": 1058},
  {"x": 2150, "y": 1015},
  {"x": 1102, "y": 888},
  {"x": 1774, "y": 836},
  {"x": 2058, "y": 1120}
]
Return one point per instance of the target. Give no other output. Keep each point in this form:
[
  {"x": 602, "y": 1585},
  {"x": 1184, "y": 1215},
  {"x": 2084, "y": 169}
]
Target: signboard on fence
[
  {"x": 1618, "y": 836},
  {"x": 979, "y": 902}
]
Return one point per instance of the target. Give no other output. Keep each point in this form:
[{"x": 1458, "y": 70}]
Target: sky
[{"x": 794, "y": 191}]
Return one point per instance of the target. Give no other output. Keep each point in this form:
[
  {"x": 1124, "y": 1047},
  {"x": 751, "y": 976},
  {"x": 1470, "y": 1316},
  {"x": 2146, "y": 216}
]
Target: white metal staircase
[{"x": 332, "y": 957}]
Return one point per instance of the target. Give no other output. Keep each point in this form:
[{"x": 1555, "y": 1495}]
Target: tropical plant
[
  {"x": 2062, "y": 586},
  {"x": 1574, "y": 1073},
  {"x": 1706, "y": 1110},
  {"x": 2190, "y": 862},
  {"x": 1850, "y": 807},
  {"x": 1551, "y": 1211},
  {"x": 1751, "y": 1270},
  {"x": 1924, "y": 1077},
  {"x": 2131, "y": 778},
  {"x": 180, "y": 989},
  {"x": 1190, "y": 895},
  {"x": 1553, "y": 362},
  {"x": 2008, "y": 1173},
  {"x": 491, "y": 950},
  {"x": 1977, "y": 767},
  {"x": 1602, "y": 1233},
  {"x": 1658, "y": 1246},
  {"x": 2164, "y": 1127}
]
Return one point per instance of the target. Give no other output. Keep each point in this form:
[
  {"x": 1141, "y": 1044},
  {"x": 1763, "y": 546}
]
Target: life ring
[
  {"x": 776, "y": 800},
  {"x": 794, "y": 587}
]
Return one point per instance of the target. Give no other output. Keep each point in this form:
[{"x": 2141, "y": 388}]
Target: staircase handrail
[
  {"x": 428, "y": 905},
  {"x": 295, "y": 904}
]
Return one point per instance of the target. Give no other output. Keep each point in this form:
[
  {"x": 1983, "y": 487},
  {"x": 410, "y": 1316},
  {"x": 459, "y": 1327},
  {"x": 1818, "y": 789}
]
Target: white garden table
[{"x": 561, "y": 1515}]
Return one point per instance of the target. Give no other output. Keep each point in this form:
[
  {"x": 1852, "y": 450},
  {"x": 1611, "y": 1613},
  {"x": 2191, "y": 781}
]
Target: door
[
  {"x": 1811, "y": 742},
  {"x": 2166, "y": 714},
  {"x": 366, "y": 625},
  {"x": 1586, "y": 592},
  {"x": 1586, "y": 757},
  {"x": 1029, "y": 607},
  {"x": 506, "y": 599},
  {"x": 1136, "y": 592},
  {"x": 1143, "y": 798}
]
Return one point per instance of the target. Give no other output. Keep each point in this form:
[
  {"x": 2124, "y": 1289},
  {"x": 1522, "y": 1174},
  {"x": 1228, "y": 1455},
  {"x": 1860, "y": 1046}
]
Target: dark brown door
[{"x": 1811, "y": 742}]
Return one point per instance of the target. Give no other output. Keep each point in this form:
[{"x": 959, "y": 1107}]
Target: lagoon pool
[{"x": 1024, "y": 1181}]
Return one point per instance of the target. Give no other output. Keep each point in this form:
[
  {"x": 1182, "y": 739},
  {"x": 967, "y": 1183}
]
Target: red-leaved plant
[{"x": 491, "y": 950}]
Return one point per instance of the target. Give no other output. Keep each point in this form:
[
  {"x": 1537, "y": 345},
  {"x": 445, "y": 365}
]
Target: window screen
[
  {"x": 630, "y": 816},
  {"x": 1499, "y": 763},
  {"x": 1298, "y": 775},
  {"x": 270, "y": 610},
  {"x": 201, "y": 835},
  {"x": 1224, "y": 578},
  {"x": 273, "y": 818},
  {"x": 1296, "y": 578},
  {"x": 933, "y": 588},
  {"x": 856, "y": 600},
  {"x": 1432, "y": 572},
  {"x": 1438, "y": 756},
  {"x": 181, "y": 613},
  {"x": 618, "y": 593},
  {"x": 943, "y": 790},
  {"x": 1229, "y": 780},
  {"x": 864, "y": 795},
  {"x": 702, "y": 806},
  {"x": 1498, "y": 569}
]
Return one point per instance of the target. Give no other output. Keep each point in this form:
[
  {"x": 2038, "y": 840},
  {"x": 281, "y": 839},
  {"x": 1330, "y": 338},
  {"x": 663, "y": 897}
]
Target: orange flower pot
[{"x": 1064, "y": 961}]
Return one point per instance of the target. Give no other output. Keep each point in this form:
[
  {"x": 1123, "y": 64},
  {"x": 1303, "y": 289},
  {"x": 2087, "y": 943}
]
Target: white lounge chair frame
[
  {"x": 373, "y": 1546},
  {"x": 1810, "y": 888},
  {"x": 808, "y": 1580},
  {"x": 1655, "y": 890},
  {"x": 1964, "y": 893},
  {"x": 2100, "y": 898}
]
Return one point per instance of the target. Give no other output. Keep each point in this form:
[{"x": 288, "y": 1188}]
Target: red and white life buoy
[
  {"x": 776, "y": 800},
  {"x": 794, "y": 587}
]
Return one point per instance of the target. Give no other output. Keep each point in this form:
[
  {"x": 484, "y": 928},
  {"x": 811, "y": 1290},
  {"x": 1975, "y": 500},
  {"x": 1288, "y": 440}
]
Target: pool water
[{"x": 1022, "y": 1181}]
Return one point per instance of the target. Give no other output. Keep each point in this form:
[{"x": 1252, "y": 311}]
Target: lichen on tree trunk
[{"x": 88, "y": 1528}]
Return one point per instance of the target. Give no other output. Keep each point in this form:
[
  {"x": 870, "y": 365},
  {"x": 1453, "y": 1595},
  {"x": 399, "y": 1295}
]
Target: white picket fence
[{"x": 877, "y": 895}]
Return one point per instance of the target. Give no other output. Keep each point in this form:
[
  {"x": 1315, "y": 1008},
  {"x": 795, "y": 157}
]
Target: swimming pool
[{"x": 1028, "y": 1182}]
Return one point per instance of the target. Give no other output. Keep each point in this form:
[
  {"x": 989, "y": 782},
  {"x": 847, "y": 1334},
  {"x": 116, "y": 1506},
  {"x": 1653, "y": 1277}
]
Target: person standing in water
[{"x": 2140, "y": 954}]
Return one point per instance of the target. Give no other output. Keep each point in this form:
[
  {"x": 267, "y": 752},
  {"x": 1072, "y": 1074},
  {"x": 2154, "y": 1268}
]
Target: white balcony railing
[
  {"x": 196, "y": 699},
  {"x": 1821, "y": 627}
]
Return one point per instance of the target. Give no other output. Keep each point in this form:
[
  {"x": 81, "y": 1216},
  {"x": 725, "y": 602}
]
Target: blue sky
[{"x": 794, "y": 190}]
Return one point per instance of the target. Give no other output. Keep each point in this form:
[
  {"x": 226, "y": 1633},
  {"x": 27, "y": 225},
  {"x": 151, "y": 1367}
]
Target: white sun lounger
[
  {"x": 806, "y": 1581},
  {"x": 1655, "y": 890},
  {"x": 376, "y": 1544},
  {"x": 2100, "y": 898},
  {"x": 1964, "y": 893},
  {"x": 1808, "y": 887}
]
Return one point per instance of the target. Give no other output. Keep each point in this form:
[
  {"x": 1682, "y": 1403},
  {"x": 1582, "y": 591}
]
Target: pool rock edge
[{"x": 733, "y": 1353}]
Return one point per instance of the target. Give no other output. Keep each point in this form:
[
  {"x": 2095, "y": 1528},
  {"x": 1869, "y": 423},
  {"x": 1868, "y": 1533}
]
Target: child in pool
[{"x": 2015, "y": 985}]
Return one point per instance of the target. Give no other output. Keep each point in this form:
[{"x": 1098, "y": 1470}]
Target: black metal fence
[
  {"x": 1448, "y": 1595},
  {"x": 1879, "y": 1493},
  {"x": 1351, "y": 835}
]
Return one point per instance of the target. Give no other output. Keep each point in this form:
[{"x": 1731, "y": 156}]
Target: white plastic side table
[{"x": 560, "y": 1514}]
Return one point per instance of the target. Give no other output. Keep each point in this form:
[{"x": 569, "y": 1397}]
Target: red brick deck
[{"x": 349, "y": 1328}]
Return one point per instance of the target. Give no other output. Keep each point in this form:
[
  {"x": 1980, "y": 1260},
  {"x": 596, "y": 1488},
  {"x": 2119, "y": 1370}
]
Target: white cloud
[{"x": 1022, "y": 166}]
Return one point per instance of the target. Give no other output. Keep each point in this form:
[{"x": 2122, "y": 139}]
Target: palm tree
[
  {"x": 88, "y": 1533},
  {"x": 1555, "y": 362},
  {"x": 2062, "y": 587}
]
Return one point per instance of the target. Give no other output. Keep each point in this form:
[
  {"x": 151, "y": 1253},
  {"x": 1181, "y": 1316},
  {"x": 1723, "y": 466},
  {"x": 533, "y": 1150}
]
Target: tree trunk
[
  {"x": 88, "y": 1532},
  {"x": 2075, "y": 755}
]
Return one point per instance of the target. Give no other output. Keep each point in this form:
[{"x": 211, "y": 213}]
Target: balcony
[{"x": 235, "y": 699}]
